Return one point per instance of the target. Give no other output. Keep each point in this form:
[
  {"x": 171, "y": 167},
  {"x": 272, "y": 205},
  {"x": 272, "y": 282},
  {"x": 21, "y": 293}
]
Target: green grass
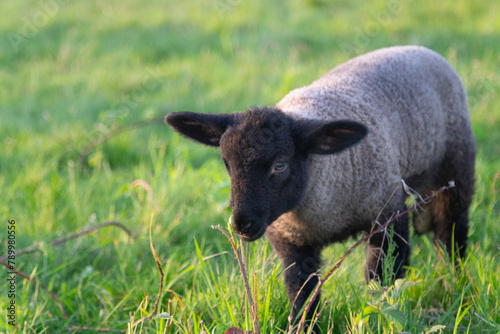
[{"x": 72, "y": 71}]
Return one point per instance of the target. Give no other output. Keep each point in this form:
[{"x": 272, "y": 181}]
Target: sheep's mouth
[{"x": 254, "y": 235}]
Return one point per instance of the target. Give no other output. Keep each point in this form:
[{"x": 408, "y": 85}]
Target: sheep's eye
[{"x": 280, "y": 166}]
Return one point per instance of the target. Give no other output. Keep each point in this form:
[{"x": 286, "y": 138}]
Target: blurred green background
[{"x": 72, "y": 72}]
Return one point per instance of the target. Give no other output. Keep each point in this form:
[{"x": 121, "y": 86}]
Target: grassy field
[{"x": 73, "y": 71}]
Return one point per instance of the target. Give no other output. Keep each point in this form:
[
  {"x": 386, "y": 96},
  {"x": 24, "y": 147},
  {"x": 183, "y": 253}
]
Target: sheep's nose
[
  {"x": 246, "y": 228},
  {"x": 250, "y": 225},
  {"x": 249, "y": 228},
  {"x": 243, "y": 225}
]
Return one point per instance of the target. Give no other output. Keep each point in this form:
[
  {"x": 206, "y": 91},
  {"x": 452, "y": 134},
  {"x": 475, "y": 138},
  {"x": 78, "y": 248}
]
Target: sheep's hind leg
[
  {"x": 451, "y": 224},
  {"x": 450, "y": 209}
]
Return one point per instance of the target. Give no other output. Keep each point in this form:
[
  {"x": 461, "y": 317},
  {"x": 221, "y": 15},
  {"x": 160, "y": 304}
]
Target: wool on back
[{"x": 414, "y": 106}]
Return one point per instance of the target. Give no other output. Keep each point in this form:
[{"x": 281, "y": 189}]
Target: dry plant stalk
[
  {"x": 160, "y": 288},
  {"x": 94, "y": 330},
  {"x": 243, "y": 271},
  {"x": 114, "y": 132},
  {"x": 146, "y": 187},
  {"x": 365, "y": 238},
  {"x": 34, "y": 280},
  {"x": 36, "y": 247}
]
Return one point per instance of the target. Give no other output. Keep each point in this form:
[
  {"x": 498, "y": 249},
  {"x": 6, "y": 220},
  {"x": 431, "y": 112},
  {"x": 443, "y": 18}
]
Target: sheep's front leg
[{"x": 299, "y": 263}]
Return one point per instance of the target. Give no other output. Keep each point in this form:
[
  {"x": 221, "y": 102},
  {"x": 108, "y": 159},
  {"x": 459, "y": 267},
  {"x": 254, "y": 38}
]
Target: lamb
[{"x": 325, "y": 162}]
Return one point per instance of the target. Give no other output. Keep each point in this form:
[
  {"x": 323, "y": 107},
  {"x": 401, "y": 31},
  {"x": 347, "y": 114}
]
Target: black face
[
  {"x": 268, "y": 172},
  {"x": 265, "y": 153}
]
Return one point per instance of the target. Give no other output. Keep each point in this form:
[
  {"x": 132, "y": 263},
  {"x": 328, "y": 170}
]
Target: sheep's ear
[
  {"x": 333, "y": 137},
  {"x": 203, "y": 128}
]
